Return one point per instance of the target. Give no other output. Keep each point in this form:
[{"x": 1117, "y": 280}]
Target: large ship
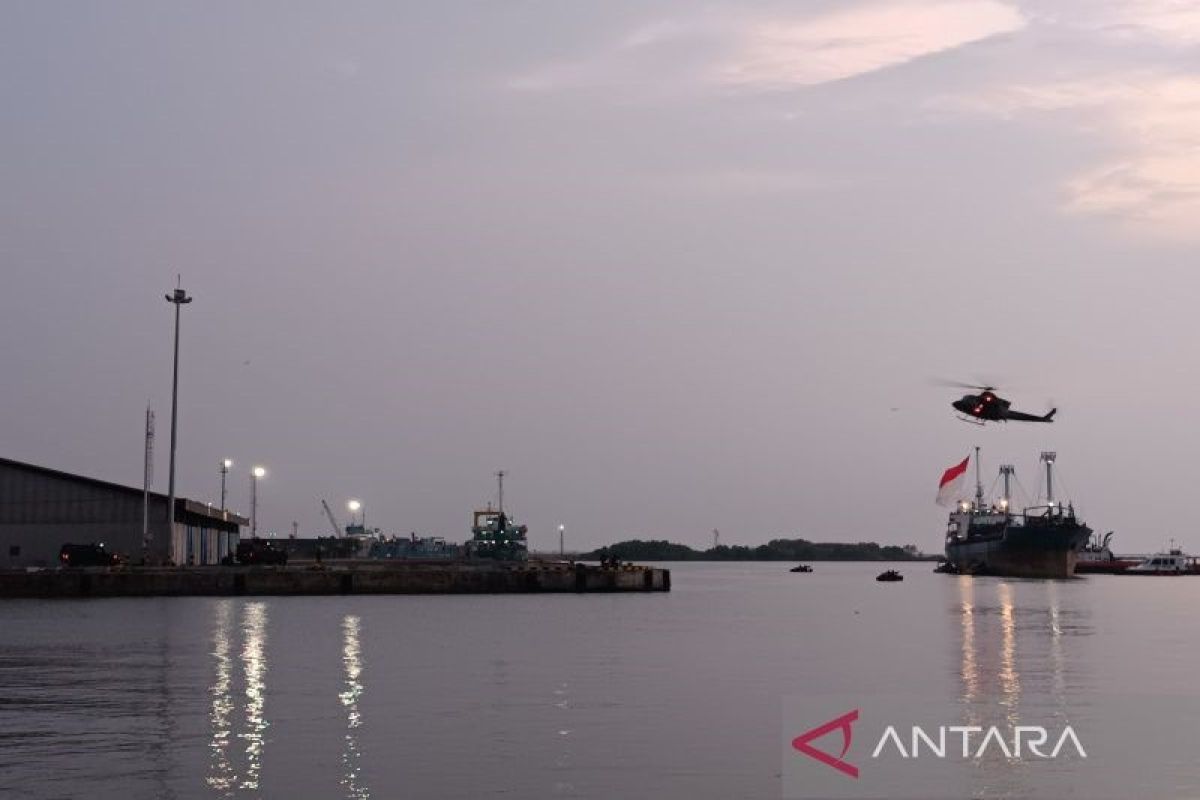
[
  {"x": 1042, "y": 541},
  {"x": 495, "y": 535}
]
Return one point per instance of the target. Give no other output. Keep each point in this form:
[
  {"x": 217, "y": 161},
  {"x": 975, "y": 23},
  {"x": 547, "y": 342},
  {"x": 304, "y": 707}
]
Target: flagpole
[{"x": 978, "y": 483}]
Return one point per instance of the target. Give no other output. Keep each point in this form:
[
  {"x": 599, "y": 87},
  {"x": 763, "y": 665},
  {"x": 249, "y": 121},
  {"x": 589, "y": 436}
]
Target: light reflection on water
[
  {"x": 221, "y": 775},
  {"x": 1010, "y": 676},
  {"x": 352, "y": 664},
  {"x": 254, "y": 666}
]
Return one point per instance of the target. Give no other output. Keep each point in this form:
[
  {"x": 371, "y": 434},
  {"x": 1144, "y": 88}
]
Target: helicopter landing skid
[{"x": 972, "y": 421}]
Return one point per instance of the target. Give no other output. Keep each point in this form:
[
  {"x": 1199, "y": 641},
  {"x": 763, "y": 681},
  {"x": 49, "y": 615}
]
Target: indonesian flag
[{"x": 952, "y": 480}]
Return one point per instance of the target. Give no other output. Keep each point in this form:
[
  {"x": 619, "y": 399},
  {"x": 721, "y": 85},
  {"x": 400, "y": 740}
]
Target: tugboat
[
  {"x": 1041, "y": 542},
  {"x": 888, "y": 576},
  {"x": 801, "y": 568},
  {"x": 494, "y": 535},
  {"x": 1096, "y": 558}
]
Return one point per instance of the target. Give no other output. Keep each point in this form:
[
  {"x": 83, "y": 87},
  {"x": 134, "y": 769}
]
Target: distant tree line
[{"x": 774, "y": 550}]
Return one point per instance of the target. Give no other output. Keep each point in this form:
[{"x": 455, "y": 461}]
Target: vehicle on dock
[
  {"x": 87, "y": 555},
  {"x": 989, "y": 538},
  {"x": 261, "y": 551},
  {"x": 889, "y": 576}
]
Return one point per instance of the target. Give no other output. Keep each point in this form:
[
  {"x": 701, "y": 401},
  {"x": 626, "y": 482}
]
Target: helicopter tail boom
[{"x": 1021, "y": 416}]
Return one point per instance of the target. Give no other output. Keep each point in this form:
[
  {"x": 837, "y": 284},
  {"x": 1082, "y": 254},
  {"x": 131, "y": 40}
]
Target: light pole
[
  {"x": 354, "y": 506},
  {"x": 255, "y": 474},
  {"x": 178, "y": 298},
  {"x": 561, "y": 550},
  {"x": 225, "y": 465}
]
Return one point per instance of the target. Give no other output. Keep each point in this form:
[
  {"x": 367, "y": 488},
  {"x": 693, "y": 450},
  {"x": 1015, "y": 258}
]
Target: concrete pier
[{"x": 346, "y": 578}]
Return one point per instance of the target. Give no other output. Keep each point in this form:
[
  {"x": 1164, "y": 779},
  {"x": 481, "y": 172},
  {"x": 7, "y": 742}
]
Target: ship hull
[{"x": 1021, "y": 551}]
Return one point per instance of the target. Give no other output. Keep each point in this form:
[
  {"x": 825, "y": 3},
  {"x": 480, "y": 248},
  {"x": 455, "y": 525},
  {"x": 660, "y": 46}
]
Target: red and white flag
[{"x": 952, "y": 481}]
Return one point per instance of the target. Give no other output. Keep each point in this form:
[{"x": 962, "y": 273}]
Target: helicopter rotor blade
[{"x": 961, "y": 385}]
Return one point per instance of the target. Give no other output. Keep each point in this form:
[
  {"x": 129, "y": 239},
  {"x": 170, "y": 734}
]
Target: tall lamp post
[
  {"x": 178, "y": 298},
  {"x": 561, "y": 550},
  {"x": 355, "y": 506},
  {"x": 225, "y": 465},
  {"x": 255, "y": 474}
]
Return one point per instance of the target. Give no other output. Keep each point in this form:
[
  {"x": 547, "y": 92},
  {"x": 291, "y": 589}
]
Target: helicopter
[{"x": 987, "y": 406}]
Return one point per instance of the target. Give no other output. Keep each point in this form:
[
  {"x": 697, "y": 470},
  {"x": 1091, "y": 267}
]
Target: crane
[{"x": 332, "y": 520}]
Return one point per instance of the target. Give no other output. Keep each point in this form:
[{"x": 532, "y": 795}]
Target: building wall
[
  {"x": 40, "y": 511},
  {"x": 201, "y": 544}
]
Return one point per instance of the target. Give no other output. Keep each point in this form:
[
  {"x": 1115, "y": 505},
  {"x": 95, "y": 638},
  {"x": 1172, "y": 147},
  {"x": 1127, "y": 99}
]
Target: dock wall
[{"x": 329, "y": 580}]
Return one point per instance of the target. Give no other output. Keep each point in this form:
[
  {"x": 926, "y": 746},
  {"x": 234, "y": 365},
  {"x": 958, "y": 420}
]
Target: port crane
[{"x": 332, "y": 519}]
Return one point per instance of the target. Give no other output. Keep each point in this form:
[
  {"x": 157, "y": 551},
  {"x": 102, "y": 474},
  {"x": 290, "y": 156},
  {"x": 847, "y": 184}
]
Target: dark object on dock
[
  {"x": 801, "y": 568},
  {"x": 490, "y": 577},
  {"x": 262, "y": 551},
  {"x": 890, "y": 575},
  {"x": 87, "y": 555},
  {"x": 946, "y": 568}
]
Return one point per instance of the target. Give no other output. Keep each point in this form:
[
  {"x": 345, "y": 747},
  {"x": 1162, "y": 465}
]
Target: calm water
[{"x": 637, "y": 696}]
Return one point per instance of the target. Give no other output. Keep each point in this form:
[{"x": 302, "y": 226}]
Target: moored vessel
[
  {"x": 495, "y": 535},
  {"x": 1172, "y": 562},
  {"x": 1042, "y": 541},
  {"x": 1097, "y": 558}
]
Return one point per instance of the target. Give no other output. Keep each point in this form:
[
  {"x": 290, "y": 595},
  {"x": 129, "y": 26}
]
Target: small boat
[
  {"x": 890, "y": 575},
  {"x": 801, "y": 568},
  {"x": 1172, "y": 562},
  {"x": 946, "y": 568}
]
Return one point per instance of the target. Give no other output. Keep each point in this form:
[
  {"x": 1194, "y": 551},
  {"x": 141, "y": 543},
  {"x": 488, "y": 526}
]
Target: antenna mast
[
  {"x": 500, "y": 484},
  {"x": 147, "y": 479}
]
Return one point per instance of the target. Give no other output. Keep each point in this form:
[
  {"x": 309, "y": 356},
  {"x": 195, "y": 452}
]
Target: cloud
[
  {"x": 1150, "y": 183},
  {"x": 856, "y": 41},
  {"x": 1170, "y": 21},
  {"x": 747, "y": 51}
]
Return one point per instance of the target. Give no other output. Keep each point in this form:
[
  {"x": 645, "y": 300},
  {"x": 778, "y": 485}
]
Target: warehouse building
[{"x": 42, "y": 509}]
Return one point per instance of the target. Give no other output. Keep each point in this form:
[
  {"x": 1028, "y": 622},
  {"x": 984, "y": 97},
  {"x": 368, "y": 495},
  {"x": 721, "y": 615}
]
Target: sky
[{"x": 674, "y": 266}]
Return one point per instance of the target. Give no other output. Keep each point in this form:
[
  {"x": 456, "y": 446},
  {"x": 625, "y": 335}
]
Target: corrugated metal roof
[{"x": 189, "y": 506}]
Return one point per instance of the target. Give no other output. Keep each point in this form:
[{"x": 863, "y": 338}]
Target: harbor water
[{"x": 675, "y": 695}]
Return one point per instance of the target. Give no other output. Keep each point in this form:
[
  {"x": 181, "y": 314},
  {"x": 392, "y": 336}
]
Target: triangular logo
[{"x": 842, "y": 723}]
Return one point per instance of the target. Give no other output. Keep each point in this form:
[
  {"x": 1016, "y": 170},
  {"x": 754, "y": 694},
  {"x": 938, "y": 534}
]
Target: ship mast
[
  {"x": 1006, "y": 472},
  {"x": 500, "y": 483},
  {"x": 1049, "y": 457}
]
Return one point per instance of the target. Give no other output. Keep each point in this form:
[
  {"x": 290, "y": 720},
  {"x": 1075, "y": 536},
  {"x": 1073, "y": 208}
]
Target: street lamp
[
  {"x": 225, "y": 465},
  {"x": 178, "y": 298},
  {"x": 354, "y": 506},
  {"x": 561, "y": 551},
  {"x": 255, "y": 474}
]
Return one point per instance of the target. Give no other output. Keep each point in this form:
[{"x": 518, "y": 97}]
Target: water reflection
[
  {"x": 1058, "y": 683},
  {"x": 221, "y": 776},
  {"x": 970, "y": 667},
  {"x": 1010, "y": 677},
  {"x": 352, "y": 665},
  {"x": 1018, "y": 658},
  {"x": 254, "y": 665}
]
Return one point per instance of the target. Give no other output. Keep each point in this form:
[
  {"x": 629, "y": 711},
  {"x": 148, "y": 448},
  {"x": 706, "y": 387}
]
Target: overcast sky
[{"x": 675, "y": 266}]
